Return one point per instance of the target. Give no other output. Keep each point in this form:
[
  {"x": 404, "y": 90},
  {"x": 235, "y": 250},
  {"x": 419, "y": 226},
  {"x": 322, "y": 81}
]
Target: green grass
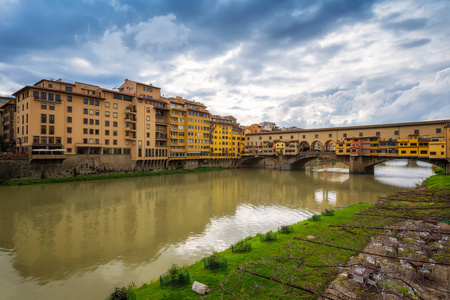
[
  {"x": 438, "y": 181},
  {"x": 259, "y": 250},
  {"x": 106, "y": 176}
]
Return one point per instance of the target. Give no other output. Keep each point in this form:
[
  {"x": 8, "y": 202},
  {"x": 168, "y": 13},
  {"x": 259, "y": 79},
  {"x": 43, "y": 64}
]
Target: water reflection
[{"x": 55, "y": 239}]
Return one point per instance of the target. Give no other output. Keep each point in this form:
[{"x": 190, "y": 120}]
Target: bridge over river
[{"x": 359, "y": 147}]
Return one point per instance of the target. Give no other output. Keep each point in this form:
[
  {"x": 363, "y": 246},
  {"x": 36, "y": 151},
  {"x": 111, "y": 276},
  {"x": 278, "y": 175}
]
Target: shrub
[
  {"x": 175, "y": 275},
  {"x": 286, "y": 229},
  {"x": 123, "y": 293},
  {"x": 328, "y": 213},
  {"x": 268, "y": 236},
  {"x": 314, "y": 218},
  {"x": 439, "y": 170},
  {"x": 214, "y": 262},
  {"x": 241, "y": 246}
]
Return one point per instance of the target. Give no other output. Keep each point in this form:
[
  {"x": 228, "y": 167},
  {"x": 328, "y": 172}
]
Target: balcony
[
  {"x": 161, "y": 121},
  {"x": 130, "y": 119},
  {"x": 130, "y": 110}
]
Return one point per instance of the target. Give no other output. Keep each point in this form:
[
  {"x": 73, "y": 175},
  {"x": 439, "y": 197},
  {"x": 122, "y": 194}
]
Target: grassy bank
[
  {"x": 259, "y": 251},
  {"x": 293, "y": 260},
  {"x": 438, "y": 181},
  {"x": 107, "y": 176}
]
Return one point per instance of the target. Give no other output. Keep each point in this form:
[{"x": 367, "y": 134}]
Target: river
[{"x": 80, "y": 240}]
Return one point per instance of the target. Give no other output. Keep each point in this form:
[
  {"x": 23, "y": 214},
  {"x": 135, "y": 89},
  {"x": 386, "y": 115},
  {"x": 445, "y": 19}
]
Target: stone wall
[{"x": 19, "y": 168}]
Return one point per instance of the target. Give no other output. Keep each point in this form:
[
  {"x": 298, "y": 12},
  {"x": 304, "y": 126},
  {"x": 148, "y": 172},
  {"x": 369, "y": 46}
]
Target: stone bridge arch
[
  {"x": 304, "y": 146},
  {"x": 330, "y": 146},
  {"x": 317, "y": 146}
]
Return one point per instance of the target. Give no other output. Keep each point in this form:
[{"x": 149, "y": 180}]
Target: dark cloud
[
  {"x": 406, "y": 25},
  {"x": 415, "y": 43}
]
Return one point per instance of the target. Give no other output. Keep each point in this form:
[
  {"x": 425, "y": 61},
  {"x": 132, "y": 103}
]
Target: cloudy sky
[{"x": 310, "y": 63}]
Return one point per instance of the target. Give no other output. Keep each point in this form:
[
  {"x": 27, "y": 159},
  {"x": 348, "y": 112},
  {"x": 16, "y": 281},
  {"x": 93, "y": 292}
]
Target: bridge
[{"x": 359, "y": 147}]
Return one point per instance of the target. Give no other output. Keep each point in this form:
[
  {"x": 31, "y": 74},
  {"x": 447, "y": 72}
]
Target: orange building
[{"x": 76, "y": 118}]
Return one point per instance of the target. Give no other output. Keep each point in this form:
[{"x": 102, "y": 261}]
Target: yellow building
[
  {"x": 189, "y": 129},
  {"x": 409, "y": 146},
  {"x": 280, "y": 147},
  {"x": 437, "y": 148},
  {"x": 56, "y": 117},
  {"x": 7, "y": 125},
  {"x": 226, "y": 140}
]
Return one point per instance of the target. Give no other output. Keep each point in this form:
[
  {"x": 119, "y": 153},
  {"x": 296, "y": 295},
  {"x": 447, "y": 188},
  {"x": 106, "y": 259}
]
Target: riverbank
[
  {"x": 108, "y": 176},
  {"x": 259, "y": 250},
  {"x": 293, "y": 264}
]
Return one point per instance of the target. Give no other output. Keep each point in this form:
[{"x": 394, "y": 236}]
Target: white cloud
[{"x": 117, "y": 7}]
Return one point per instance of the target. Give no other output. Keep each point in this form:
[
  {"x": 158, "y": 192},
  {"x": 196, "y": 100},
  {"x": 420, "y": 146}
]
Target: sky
[{"x": 309, "y": 63}]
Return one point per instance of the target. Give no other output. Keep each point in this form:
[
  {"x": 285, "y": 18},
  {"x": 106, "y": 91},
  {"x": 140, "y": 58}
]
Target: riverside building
[{"x": 67, "y": 118}]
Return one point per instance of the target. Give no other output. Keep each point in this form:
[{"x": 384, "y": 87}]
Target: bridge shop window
[
  {"x": 396, "y": 132},
  {"x": 281, "y": 137},
  {"x": 292, "y": 137},
  {"x": 378, "y": 133},
  {"x": 304, "y": 136},
  {"x": 330, "y": 135},
  {"x": 360, "y": 134},
  {"x": 270, "y": 137},
  {"x": 344, "y": 135},
  {"x": 416, "y": 131},
  {"x": 317, "y": 136},
  {"x": 438, "y": 130},
  {"x": 260, "y": 138}
]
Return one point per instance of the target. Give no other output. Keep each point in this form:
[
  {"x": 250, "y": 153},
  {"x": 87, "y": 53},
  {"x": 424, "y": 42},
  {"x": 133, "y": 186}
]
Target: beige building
[{"x": 56, "y": 117}]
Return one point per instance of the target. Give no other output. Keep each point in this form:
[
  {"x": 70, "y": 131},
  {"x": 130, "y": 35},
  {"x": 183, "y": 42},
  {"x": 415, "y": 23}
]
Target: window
[
  {"x": 43, "y": 140},
  {"x": 50, "y": 97},
  {"x": 43, "y": 118},
  {"x": 107, "y": 104},
  {"x": 114, "y": 132},
  {"x": 115, "y": 105},
  {"x": 69, "y": 119},
  {"x": 51, "y": 119},
  {"x": 97, "y": 103},
  {"x": 68, "y": 89},
  {"x": 85, "y": 111},
  {"x": 69, "y": 98},
  {"x": 97, "y": 122},
  {"x": 69, "y": 108},
  {"x": 69, "y": 129},
  {"x": 36, "y": 95},
  {"x": 416, "y": 132},
  {"x": 316, "y": 136},
  {"x": 106, "y": 142},
  {"x": 51, "y": 107},
  {"x": 114, "y": 124},
  {"x": 58, "y": 98},
  {"x": 43, "y": 96},
  {"x": 115, "y": 115},
  {"x": 360, "y": 134},
  {"x": 85, "y": 141},
  {"x": 51, "y": 129},
  {"x": 106, "y": 132},
  {"x": 106, "y": 113},
  {"x": 97, "y": 112},
  {"x": 438, "y": 130},
  {"x": 69, "y": 140},
  {"x": 43, "y": 129},
  {"x": 377, "y": 133},
  {"x": 91, "y": 121},
  {"x": 91, "y": 111},
  {"x": 114, "y": 142},
  {"x": 106, "y": 123},
  {"x": 85, "y": 130},
  {"x": 50, "y": 85},
  {"x": 330, "y": 135},
  {"x": 91, "y": 102},
  {"x": 43, "y": 105},
  {"x": 396, "y": 132},
  {"x": 91, "y": 131}
]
